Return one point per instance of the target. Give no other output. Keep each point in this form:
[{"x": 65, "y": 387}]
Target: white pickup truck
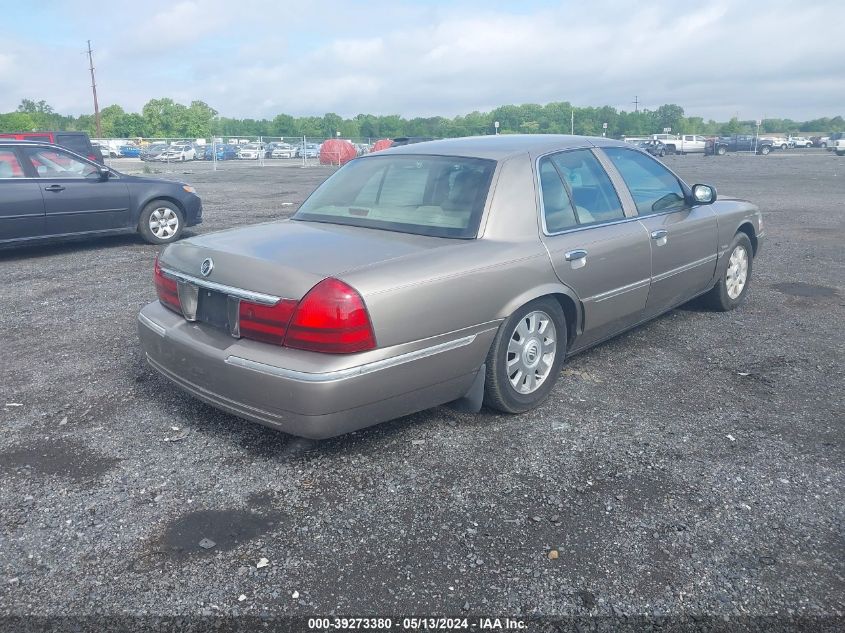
[
  {"x": 684, "y": 144},
  {"x": 837, "y": 143}
]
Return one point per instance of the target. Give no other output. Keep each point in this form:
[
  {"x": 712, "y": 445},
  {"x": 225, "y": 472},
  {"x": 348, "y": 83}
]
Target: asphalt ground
[{"x": 690, "y": 467}]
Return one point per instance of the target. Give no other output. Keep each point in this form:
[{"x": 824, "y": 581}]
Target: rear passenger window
[
  {"x": 10, "y": 166},
  {"x": 653, "y": 187},
  {"x": 591, "y": 198},
  {"x": 557, "y": 207}
]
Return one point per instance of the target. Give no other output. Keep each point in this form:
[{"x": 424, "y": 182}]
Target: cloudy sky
[{"x": 251, "y": 58}]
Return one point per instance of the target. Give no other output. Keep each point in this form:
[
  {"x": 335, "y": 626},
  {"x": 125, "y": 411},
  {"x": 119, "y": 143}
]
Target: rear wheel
[
  {"x": 765, "y": 150},
  {"x": 161, "y": 222},
  {"x": 524, "y": 361},
  {"x": 734, "y": 276}
]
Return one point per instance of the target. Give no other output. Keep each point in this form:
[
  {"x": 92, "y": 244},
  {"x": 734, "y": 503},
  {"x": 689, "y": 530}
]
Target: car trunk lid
[{"x": 286, "y": 259}]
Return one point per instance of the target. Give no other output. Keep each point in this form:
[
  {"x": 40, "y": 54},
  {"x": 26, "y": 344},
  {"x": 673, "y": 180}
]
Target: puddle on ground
[
  {"x": 800, "y": 289},
  {"x": 58, "y": 457},
  {"x": 226, "y": 529}
]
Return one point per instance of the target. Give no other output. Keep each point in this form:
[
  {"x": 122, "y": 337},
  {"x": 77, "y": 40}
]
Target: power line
[{"x": 94, "y": 90}]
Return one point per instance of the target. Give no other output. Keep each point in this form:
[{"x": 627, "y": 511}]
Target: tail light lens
[
  {"x": 264, "y": 323},
  {"x": 166, "y": 288},
  {"x": 331, "y": 318}
]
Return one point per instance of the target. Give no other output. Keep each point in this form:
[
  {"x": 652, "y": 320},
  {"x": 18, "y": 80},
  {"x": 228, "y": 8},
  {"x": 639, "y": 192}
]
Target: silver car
[{"x": 457, "y": 270}]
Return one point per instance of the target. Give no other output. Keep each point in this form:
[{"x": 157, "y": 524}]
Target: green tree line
[{"x": 162, "y": 118}]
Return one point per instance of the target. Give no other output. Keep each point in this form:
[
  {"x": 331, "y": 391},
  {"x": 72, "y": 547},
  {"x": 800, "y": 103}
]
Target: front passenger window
[
  {"x": 653, "y": 187},
  {"x": 51, "y": 163}
]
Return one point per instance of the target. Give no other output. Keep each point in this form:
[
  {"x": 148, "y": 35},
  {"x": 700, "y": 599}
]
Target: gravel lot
[{"x": 691, "y": 466}]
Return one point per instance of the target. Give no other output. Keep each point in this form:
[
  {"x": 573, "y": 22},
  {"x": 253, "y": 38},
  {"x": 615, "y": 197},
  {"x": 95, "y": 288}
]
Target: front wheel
[
  {"x": 524, "y": 361},
  {"x": 721, "y": 150},
  {"x": 765, "y": 150},
  {"x": 161, "y": 222},
  {"x": 734, "y": 276}
]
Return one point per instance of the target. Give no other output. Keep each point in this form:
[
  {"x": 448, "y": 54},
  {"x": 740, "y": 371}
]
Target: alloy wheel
[
  {"x": 737, "y": 273},
  {"x": 164, "y": 223},
  {"x": 531, "y": 352}
]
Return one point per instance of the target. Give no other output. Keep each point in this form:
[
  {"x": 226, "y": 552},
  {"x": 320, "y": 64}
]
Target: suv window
[
  {"x": 589, "y": 187},
  {"x": 10, "y": 166},
  {"x": 50, "y": 163},
  {"x": 75, "y": 142},
  {"x": 653, "y": 187}
]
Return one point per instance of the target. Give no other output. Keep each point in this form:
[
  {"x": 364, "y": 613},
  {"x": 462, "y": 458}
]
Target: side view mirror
[
  {"x": 703, "y": 194},
  {"x": 103, "y": 172}
]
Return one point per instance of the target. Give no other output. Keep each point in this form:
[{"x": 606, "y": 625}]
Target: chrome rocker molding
[{"x": 351, "y": 372}]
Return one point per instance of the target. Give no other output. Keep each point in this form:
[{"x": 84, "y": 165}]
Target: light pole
[{"x": 496, "y": 126}]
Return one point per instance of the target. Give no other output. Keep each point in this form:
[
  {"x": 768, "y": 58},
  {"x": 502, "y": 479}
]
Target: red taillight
[
  {"x": 166, "y": 288},
  {"x": 264, "y": 323},
  {"x": 331, "y": 318}
]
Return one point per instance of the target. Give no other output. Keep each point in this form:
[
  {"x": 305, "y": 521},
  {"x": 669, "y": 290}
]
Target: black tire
[
  {"x": 662, "y": 153},
  {"x": 784, "y": 146},
  {"x": 499, "y": 393},
  {"x": 823, "y": 145},
  {"x": 718, "y": 298},
  {"x": 721, "y": 150},
  {"x": 765, "y": 150},
  {"x": 165, "y": 237}
]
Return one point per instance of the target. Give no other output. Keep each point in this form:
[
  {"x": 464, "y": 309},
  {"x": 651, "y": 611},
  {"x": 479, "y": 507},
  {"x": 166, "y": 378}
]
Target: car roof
[{"x": 502, "y": 146}]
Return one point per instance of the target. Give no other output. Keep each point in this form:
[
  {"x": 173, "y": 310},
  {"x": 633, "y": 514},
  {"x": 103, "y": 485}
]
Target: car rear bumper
[{"x": 305, "y": 393}]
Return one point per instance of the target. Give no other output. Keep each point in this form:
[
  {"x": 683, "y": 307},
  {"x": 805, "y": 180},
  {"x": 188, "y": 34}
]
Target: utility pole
[
  {"x": 572, "y": 120},
  {"x": 94, "y": 90},
  {"x": 636, "y": 103}
]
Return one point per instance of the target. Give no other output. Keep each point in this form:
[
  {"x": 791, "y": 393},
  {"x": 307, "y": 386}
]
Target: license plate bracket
[{"x": 212, "y": 308}]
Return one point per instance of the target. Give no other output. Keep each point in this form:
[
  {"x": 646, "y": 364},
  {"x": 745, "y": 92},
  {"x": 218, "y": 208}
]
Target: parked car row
[{"x": 661, "y": 144}]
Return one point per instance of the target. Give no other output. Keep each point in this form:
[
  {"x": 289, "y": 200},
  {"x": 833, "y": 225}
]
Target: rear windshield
[
  {"x": 75, "y": 142},
  {"x": 441, "y": 196}
]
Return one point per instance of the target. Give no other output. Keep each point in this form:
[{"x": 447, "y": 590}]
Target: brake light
[
  {"x": 331, "y": 318},
  {"x": 166, "y": 288},
  {"x": 264, "y": 323}
]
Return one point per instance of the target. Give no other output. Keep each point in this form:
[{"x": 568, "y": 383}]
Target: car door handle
[
  {"x": 577, "y": 259},
  {"x": 54, "y": 188},
  {"x": 659, "y": 234}
]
